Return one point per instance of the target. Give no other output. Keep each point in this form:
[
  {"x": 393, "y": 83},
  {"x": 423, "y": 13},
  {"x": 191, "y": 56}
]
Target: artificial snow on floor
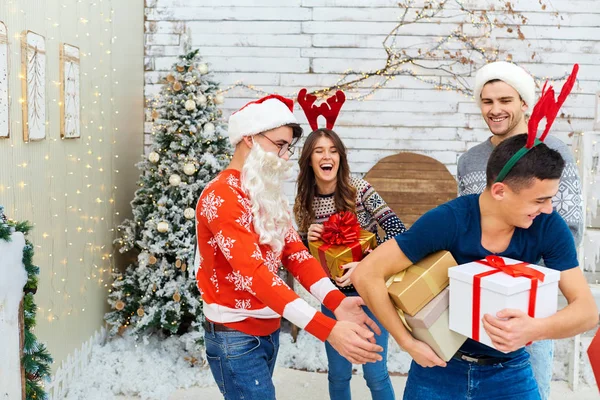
[
  {"x": 160, "y": 369},
  {"x": 154, "y": 369},
  {"x": 151, "y": 369}
]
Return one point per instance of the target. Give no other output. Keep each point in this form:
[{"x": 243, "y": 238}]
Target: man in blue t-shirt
[{"x": 512, "y": 218}]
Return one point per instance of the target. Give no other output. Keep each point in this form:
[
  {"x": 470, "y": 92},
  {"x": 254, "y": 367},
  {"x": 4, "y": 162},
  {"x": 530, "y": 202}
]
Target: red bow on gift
[
  {"x": 514, "y": 270},
  {"x": 341, "y": 228}
]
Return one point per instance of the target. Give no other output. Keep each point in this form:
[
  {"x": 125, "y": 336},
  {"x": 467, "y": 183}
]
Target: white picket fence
[{"x": 72, "y": 366}]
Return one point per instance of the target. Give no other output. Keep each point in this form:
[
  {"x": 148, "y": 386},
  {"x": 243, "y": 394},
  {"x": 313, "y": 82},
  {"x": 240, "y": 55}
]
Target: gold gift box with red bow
[{"x": 342, "y": 242}]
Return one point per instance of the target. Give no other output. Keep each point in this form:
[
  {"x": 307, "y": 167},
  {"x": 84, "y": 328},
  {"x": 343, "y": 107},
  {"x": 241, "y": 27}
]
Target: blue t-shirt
[{"x": 456, "y": 226}]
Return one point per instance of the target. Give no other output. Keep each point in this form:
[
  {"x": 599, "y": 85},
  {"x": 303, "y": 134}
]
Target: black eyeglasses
[{"x": 283, "y": 148}]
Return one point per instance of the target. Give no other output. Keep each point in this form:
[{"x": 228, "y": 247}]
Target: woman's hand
[
  {"x": 314, "y": 232},
  {"x": 344, "y": 280}
]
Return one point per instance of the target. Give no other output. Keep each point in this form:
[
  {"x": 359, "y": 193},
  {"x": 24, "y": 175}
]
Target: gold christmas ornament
[
  {"x": 170, "y": 78},
  {"x": 191, "y": 359},
  {"x": 140, "y": 312},
  {"x": 180, "y": 68},
  {"x": 175, "y": 180},
  {"x": 209, "y": 128},
  {"x": 120, "y": 305},
  {"x": 177, "y": 86},
  {"x": 178, "y": 263},
  {"x": 177, "y": 297},
  {"x": 153, "y": 157},
  {"x": 162, "y": 226},
  {"x": 190, "y": 105},
  {"x": 155, "y": 114},
  {"x": 183, "y": 267},
  {"x": 152, "y": 260},
  {"x": 189, "y": 169},
  {"x": 154, "y": 287},
  {"x": 189, "y": 213}
]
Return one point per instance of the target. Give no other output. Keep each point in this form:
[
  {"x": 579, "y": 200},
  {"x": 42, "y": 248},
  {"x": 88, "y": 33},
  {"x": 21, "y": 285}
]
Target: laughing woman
[{"x": 325, "y": 188}]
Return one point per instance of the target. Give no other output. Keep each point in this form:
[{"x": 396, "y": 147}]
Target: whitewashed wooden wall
[{"x": 283, "y": 45}]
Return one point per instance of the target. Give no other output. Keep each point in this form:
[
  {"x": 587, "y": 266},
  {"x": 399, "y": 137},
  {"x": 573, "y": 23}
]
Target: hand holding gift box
[
  {"x": 342, "y": 242},
  {"x": 497, "y": 283},
  {"x": 414, "y": 287}
]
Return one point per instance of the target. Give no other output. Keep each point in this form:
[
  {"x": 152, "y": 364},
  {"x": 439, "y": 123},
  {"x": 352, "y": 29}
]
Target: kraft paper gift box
[
  {"x": 490, "y": 285},
  {"x": 430, "y": 325},
  {"x": 414, "y": 287},
  {"x": 332, "y": 257}
]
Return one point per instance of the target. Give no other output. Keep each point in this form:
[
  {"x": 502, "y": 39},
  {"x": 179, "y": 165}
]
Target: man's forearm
[
  {"x": 374, "y": 293},
  {"x": 369, "y": 280},
  {"x": 579, "y": 316}
]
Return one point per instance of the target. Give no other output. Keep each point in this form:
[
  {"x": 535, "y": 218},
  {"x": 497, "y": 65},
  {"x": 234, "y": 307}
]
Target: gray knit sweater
[{"x": 568, "y": 200}]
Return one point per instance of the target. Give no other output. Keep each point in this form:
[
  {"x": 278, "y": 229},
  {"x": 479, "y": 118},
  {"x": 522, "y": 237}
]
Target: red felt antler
[
  {"x": 330, "y": 109},
  {"x": 548, "y": 107}
]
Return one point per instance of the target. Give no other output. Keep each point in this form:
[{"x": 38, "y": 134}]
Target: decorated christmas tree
[{"x": 157, "y": 293}]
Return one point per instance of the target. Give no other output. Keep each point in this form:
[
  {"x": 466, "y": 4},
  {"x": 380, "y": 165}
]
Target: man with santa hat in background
[{"x": 244, "y": 232}]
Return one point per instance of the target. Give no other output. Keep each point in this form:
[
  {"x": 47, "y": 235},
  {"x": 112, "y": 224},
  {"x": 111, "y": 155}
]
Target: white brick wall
[{"x": 284, "y": 45}]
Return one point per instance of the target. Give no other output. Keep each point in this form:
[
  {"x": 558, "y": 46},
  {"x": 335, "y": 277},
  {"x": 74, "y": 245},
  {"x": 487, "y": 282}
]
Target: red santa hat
[
  {"x": 508, "y": 73},
  {"x": 261, "y": 115}
]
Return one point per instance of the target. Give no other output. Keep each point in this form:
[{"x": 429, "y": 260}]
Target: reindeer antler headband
[
  {"x": 329, "y": 109},
  {"x": 545, "y": 107}
]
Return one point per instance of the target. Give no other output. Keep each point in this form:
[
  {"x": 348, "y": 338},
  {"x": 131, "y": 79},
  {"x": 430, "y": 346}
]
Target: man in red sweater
[{"x": 244, "y": 232}]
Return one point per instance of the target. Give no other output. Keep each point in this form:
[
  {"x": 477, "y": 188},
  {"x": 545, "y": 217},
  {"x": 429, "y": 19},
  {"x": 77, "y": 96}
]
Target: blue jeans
[
  {"x": 242, "y": 364},
  {"x": 376, "y": 374},
  {"x": 461, "y": 379},
  {"x": 540, "y": 356}
]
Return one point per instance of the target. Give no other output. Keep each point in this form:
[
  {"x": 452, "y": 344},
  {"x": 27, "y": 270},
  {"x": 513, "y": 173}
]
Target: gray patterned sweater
[{"x": 567, "y": 202}]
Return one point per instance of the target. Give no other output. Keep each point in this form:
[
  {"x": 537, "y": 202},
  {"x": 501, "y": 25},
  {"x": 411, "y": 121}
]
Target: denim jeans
[
  {"x": 376, "y": 374},
  {"x": 242, "y": 364},
  {"x": 464, "y": 380},
  {"x": 540, "y": 356}
]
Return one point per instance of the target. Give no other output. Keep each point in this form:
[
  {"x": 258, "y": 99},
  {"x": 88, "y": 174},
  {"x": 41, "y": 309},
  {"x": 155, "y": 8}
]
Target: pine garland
[{"x": 36, "y": 359}]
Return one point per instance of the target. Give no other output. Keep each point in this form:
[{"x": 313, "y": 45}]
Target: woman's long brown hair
[{"x": 345, "y": 193}]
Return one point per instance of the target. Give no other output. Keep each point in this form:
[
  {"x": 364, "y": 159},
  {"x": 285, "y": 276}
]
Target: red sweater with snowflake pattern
[{"x": 237, "y": 276}]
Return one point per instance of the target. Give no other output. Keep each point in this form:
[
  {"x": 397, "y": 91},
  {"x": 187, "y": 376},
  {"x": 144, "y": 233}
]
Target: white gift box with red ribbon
[{"x": 493, "y": 284}]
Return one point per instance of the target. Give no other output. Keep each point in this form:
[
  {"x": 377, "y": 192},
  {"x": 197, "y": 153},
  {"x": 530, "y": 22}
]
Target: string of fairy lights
[
  {"x": 74, "y": 203},
  {"x": 403, "y": 60}
]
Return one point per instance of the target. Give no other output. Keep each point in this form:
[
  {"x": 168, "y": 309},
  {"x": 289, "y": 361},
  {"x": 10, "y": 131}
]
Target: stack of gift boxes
[
  {"x": 421, "y": 296},
  {"x": 442, "y": 303}
]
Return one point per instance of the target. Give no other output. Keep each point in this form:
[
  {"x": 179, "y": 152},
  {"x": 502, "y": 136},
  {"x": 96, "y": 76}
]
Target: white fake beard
[{"x": 263, "y": 175}]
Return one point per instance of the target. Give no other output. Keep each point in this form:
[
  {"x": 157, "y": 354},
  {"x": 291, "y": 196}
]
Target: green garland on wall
[{"x": 36, "y": 359}]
